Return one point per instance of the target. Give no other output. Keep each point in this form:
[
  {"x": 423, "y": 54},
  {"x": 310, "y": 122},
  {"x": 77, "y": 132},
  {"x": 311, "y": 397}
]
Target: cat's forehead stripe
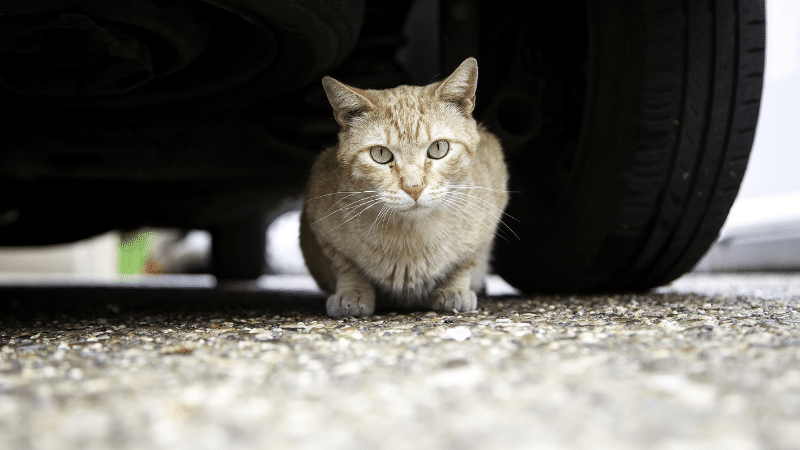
[
  {"x": 405, "y": 109},
  {"x": 411, "y": 117}
]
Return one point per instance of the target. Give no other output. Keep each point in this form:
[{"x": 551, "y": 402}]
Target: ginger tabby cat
[{"x": 405, "y": 208}]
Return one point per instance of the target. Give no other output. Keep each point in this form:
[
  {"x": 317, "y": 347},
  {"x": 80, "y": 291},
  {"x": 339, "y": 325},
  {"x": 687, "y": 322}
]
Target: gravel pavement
[{"x": 709, "y": 362}]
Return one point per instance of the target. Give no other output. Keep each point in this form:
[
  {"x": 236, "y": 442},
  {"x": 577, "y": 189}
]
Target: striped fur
[{"x": 415, "y": 232}]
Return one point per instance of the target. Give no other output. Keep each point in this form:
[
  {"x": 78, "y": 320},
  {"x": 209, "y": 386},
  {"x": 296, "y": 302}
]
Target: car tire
[
  {"x": 671, "y": 102},
  {"x": 194, "y": 56},
  {"x": 238, "y": 249}
]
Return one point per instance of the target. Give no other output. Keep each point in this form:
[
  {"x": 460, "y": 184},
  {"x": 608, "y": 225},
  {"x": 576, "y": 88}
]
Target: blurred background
[{"x": 762, "y": 231}]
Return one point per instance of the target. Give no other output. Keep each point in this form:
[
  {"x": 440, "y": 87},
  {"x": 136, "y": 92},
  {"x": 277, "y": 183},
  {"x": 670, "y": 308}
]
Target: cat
[{"x": 406, "y": 207}]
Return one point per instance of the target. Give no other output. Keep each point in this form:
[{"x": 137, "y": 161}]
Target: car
[{"x": 627, "y": 124}]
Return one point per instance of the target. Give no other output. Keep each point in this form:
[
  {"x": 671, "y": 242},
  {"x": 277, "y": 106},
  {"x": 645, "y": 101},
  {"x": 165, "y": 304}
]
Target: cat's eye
[
  {"x": 438, "y": 149},
  {"x": 381, "y": 155}
]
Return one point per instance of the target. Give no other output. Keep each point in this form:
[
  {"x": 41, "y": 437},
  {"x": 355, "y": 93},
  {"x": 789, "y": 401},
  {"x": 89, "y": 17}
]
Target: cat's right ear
[
  {"x": 347, "y": 102},
  {"x": 459, "y": 88}
]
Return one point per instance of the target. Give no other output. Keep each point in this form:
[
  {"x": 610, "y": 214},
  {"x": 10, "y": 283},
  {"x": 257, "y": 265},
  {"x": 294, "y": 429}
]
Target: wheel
[
  {"x": 238, "y": 249},
  {"x": 186, "y": 54},
  {"x": 155, "y": 102},
  {"x": 627, "y": 136}
]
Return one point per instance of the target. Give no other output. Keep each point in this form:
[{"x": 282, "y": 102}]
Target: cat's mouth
[
  {"x": 416, "y": 209},
  {"x": 410, "y": 207}
]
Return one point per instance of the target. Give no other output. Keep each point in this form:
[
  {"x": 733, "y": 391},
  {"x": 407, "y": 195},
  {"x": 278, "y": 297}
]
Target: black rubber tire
[
  {"x": 314, "y": 36},
  {"x": 238, "y": 249},
  {"x": 256, "y": 50},
  {"x": 671, "y": 106}
]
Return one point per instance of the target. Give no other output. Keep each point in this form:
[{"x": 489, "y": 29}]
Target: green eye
[
  {"x": 438, "y": 149},
  {"x": 381, "y": 155}
]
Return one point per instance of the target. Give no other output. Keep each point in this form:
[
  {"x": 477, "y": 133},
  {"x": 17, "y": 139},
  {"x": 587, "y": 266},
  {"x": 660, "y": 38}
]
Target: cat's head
[{"x": 409, "y": 143}]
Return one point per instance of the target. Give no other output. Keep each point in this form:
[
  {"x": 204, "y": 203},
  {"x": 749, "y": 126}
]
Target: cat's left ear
[
  {"x": 347, "y": 102},
  {"x": 459, "y": 87}
]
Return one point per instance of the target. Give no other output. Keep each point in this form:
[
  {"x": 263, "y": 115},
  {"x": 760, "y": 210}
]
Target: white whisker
[
  {"x": 367, "y": 204},
  {"x": 384, "y": 210},
  {"x": 355, "y": 216},
  {"x": 341, "y": 192},
  {"x": 472, "y": 186},
  {"x": 350, "y": 195},
  {"x": 457, "y": 208},
  {"x": 499, "y": 220},
  {"x": 445, "y": 204},
  {"x": 465, "y": 202},
  {"x": 352, "y": 205},
  {"x": 387, "y": 217},
  {"x": 485, "y": 202},
  {"x": 461, "y": 206}
]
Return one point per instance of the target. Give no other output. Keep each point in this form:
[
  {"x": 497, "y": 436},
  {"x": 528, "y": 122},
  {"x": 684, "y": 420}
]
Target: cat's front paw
[
  {"x": 351, "y": 303},
  {"x": 447, "y": 300}
]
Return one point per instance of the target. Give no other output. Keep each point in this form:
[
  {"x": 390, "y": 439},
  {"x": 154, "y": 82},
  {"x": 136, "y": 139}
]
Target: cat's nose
[{"x": 414, "y": 190}]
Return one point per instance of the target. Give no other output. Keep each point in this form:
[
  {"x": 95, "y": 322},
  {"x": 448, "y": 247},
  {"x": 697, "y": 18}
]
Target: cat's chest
[{"x": 402, "y": 256}]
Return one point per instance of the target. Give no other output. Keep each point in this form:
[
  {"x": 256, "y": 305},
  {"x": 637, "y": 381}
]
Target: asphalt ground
[{"x": 709, "y": 362}]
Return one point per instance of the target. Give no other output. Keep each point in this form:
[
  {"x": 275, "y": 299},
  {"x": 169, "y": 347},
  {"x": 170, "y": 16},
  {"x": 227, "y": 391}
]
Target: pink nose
[{"x": 414, "y": 191}]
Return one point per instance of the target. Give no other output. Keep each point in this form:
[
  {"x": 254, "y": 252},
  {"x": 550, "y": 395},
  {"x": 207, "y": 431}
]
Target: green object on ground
[{"x": 133, "y": 253}]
